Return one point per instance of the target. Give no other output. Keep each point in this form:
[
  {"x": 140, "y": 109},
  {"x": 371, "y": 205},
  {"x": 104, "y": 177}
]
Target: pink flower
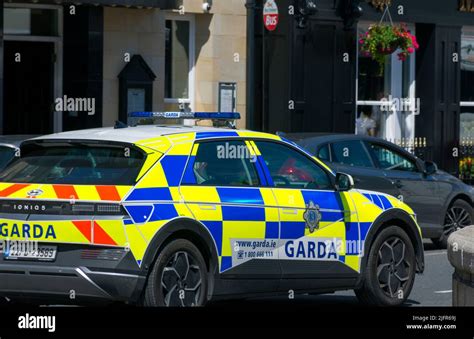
[
  {"x": 415, "y": 42},
  {"x": 410, "y": 50},
  {"x": 402, "y": 56}
]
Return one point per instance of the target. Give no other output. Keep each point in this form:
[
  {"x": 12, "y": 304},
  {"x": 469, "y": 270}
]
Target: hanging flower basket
[{"x": 382, "y": 40}]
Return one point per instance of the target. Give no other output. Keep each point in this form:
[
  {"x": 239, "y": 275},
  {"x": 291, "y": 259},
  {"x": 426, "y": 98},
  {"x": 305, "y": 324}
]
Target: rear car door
[
  {"x": 415, "y": 189},
  {"x": 352, "y": 157},
  {"x": 224, "y": 191},
  {"x": 315, "y": 220}
]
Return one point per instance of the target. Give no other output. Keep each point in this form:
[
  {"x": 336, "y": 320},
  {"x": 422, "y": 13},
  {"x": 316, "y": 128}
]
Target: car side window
[
  {"x": 224, "y": 163},
  {"x": 323, "y": 153},
  {"x": 391, "y": 160},
  {"x": 291, "y": 169},
  {"x": 351, "y": 153}
]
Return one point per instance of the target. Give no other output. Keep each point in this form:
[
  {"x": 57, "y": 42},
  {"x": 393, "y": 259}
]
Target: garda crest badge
[{"x": 312, "y": 216}]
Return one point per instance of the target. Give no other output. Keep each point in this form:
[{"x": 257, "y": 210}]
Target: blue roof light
[{"x": 187, "y": 115}]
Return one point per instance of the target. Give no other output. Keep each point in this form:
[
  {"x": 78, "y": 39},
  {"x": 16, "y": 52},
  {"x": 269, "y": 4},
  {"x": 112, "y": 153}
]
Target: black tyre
[
  {"x": 459, "y": 215},
  {"x": 178, "y": 277},
  {"x": 390, "y": 272}
]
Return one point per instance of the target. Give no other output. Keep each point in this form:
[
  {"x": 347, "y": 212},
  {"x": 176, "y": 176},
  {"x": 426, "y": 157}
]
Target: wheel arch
[
  {"x": 191, "y": 230},
  {"x": 451, "y": 200},
  {"x": 400, "y": 218},
  {"x": 459, "y": 196}
]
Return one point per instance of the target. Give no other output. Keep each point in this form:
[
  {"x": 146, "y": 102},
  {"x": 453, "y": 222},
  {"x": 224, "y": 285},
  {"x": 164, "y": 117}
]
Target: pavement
[{"x": 432, "y": 288}]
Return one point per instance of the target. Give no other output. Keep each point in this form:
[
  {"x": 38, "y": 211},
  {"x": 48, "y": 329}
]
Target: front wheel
[
  {"x": 390, "y": 273},
  {"x": 459, "y": 215},
  {"x": 178, "y": 277}
]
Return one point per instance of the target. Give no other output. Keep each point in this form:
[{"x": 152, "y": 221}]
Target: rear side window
[
  {"x": 224, "y": 163},
  {"x": 75, "y": 164},
  {"x": 351, "y": 153}
]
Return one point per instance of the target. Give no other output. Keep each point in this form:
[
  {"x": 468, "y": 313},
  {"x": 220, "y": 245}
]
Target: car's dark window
[
  {"x": 351, "y": 153},
  {"x": 323, "y": 153},
  {"x": 75, "y": 164},
  {"x": 7, "y": 154},
  {"x": 224, "y": 163},
  {"x": 291, "y": 169},
  {"x": 391, "y": 160}
]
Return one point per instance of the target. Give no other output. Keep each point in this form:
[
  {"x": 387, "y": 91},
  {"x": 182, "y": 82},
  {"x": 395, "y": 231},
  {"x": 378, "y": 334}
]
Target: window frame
[
  {"x": 396, "y": 87},
  {"x": 255, "y": 164},
  {"x": 364, "y": 147},
  {"x": 467, "y": 30},
  {"x": 192, "y": 56},
  {"x": 393, "y": 150},
  {"x": 330, "y": 175}
]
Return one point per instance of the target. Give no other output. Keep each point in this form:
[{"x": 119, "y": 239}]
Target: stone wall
[
  {"x": 220, "y": 52},
  {"x": 461, "y": 256}
]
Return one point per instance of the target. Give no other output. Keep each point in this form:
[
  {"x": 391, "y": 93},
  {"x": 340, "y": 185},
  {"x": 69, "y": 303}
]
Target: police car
[{"x": 177, "y": 216}]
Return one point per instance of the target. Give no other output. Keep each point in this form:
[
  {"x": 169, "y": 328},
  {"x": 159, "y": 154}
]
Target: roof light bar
[{"x": 187, "y": 115}]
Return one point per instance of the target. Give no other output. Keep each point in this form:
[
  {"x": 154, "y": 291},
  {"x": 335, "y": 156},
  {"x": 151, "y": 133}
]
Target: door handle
[
  {"x": 207, "y": 207},
  {"x": 291, "y": 211}
]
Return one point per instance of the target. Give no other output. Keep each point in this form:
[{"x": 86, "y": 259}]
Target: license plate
[{"x": 39, "y": 253}]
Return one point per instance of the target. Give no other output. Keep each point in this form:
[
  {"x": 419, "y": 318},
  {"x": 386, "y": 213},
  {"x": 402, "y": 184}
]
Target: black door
[
  {"x": 28, "y": 87},
  {"x": 322, "y": 83}
]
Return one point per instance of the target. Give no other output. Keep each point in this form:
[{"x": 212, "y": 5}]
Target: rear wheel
[
  {"x": 390, "y": 273},
  {"x": 460, "y": 214},
  {"x": 178, "y": 277}
]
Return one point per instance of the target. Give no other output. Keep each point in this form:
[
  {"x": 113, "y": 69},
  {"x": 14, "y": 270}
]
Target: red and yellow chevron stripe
[{"x": 65, "y": 192}]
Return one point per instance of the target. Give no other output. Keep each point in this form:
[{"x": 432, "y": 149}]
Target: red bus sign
[{"x": 270, "y": 15}]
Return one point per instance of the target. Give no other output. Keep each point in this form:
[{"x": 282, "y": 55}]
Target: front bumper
[{"x": 77, "y": 275}]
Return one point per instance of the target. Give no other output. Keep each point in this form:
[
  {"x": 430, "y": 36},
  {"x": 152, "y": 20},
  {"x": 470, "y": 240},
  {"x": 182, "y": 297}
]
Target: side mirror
[
  {"x": 430, "y": 168},
  {"x": 344, "y": 182}
]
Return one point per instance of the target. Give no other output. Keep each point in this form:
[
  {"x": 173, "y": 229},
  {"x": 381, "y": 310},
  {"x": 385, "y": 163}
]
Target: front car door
[
  {"x": 316, "y": 222},
  {"x": 414, "y": 188},
  {"x": 224, "y": 190}
]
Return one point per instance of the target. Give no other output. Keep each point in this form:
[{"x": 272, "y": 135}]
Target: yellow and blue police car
[{"x": 177, "y": 216}]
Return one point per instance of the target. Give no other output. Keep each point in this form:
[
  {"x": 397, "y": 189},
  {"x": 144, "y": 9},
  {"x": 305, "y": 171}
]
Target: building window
[
  {"x": 31, "y": 21},
  {"x": 179, "y": 60},
  {"x": 467, "y": 88},
  {"x": 386, "y": 101}
]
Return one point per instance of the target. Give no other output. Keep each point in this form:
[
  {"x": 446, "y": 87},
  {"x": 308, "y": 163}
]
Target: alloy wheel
[
  {"x": 456, "y": 218},
  {"x": 393, "y": 268},
  {"x": 181, "y": 281}
]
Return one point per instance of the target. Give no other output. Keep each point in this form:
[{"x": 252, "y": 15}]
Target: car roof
[
  {"x": 306, "y": 140},
  {"x": 321, "y": 138},
  {"x": 133, "y": 135}
]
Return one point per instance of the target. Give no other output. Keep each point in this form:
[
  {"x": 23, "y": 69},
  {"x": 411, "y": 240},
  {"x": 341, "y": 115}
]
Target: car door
[
  {"x": 224, "y": 191},
  {"x": 352, "y": 157},
  {"x": 315, "y": 220},
  {"x": 414, "y": 188}
]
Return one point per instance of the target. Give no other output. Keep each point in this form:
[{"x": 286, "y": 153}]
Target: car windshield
[{"x": 78, "y": 164}]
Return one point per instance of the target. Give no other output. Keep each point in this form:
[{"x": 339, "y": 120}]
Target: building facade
[
  {"x": 80, "y": 65},
  {"x": 311, "y": 77}
]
